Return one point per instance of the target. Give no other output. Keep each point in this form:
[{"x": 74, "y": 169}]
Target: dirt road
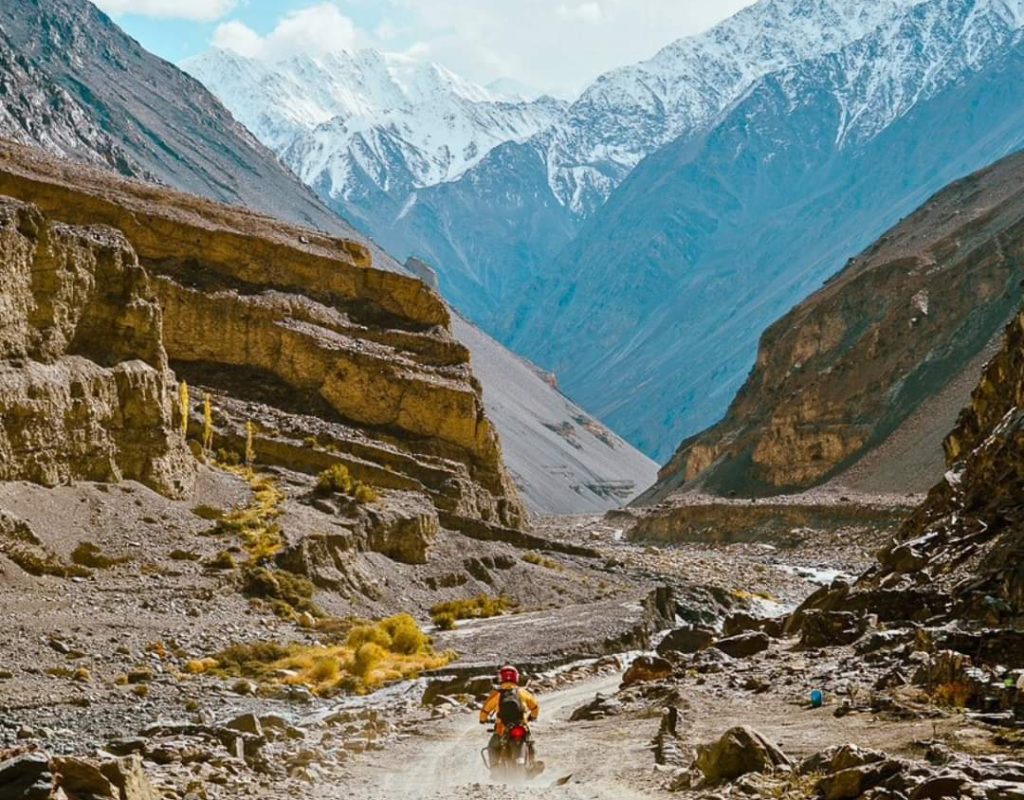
[{"x": 594, "y": 761}]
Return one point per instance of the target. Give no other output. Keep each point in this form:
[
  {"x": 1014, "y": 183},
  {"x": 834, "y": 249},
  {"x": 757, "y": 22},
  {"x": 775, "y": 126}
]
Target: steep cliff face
[
  {"x": 85, "y": 391},
  {"x": 961, "y": 554},
  {"x": 295, "y": 322},
  {"x": 841, "y": 373}
]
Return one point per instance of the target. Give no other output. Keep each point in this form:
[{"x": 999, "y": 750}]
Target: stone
[
  {"x": 853, "y": 782},
  {"x": 995, "y": 789},
  {"x": 646, "y": 669},
  {"x": 831, "y": 628},
  {"x": 739, "y": 751},
  {"x": 837, "y": 759},
  {"x": 744, "y": 645},
  {"x": 944, "y": 785},
  {"x": 601, "y": 707},
  {"x": 687, "y": 639},
  {"x": 79, "y": 777},
  {"x": 26, "y": 777},
  {"x": 128, "y": 777},
  {"x": 246, "y": 723}
]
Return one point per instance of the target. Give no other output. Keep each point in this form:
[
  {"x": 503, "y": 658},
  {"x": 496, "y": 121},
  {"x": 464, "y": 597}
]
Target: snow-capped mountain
[
  {"x": 651, "y": 315},
  {"x": 630, "y": 112},
  {"x": 343, "y": 117},
  {"x": 704, "y": 191}
]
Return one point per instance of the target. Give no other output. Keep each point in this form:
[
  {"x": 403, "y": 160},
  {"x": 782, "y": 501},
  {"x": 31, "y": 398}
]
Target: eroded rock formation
[
  {"x": 85, "y": 391},
  {"x": 961, "y": 555},
  {"x": 332, "y": 360}
]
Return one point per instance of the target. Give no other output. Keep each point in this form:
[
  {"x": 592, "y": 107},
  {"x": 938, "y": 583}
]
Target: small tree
[
  {"x": 250, "y": 450},
  {"x": 183, "y": 406},
  {"x": 207, "y": 422}
]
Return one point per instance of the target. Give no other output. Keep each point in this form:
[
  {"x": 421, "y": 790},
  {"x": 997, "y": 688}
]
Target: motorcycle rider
[{"x": 509, "y": 704}]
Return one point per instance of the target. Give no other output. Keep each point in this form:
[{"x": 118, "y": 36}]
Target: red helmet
[{"x": 508, "y": 674}]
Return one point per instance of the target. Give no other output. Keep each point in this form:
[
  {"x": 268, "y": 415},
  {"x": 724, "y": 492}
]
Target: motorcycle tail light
[{"x": 518, "y": 733}]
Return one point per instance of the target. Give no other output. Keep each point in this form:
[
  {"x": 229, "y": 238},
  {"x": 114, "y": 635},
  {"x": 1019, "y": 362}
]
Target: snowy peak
[
  {"x": 630, "y": 112},
  {"x": 339, "y": 118}
]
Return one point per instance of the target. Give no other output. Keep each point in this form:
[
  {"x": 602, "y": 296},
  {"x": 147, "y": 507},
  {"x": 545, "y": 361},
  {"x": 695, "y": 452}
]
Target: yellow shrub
[
  {"x": 364, "y": 494},
  {"x": 362, "y": 634},
  {"x": 406, "y": 636},
  {"x": 366, "y": 658},
  {"x": 335, "y": 478}
]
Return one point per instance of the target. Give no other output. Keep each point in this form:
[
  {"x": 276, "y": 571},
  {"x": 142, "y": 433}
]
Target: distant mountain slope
[
  {"x": 845, "y": 371},
  {"x": 494, "y": 230},
  {"x": 79, "y": 87},
  {"x": 656, "y": 308},
  {"x": 560, "y": 456},
  {"x": 400, "y": 122},
  {"x": 165, "y": 121}
]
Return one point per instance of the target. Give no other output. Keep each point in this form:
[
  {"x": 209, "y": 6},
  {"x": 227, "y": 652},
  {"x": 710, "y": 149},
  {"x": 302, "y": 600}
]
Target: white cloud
[
  {"x": 315, "y": 30},
  {"x": 584, "y": 12},
  {"x": 558, "y": 46},
  {"x": 197, "y": 10}
]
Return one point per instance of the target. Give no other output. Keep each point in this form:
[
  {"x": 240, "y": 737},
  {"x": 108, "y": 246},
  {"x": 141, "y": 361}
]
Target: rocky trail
[{"x": 442, "y": 760}]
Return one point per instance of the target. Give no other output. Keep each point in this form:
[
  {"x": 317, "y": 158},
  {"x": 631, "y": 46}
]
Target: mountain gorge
[
  {"x": 676, "y": 208},
  {"x": 79, "y": 87},
  {"x": 742, "y": 222},
  {"x": 871, "y": 362}
]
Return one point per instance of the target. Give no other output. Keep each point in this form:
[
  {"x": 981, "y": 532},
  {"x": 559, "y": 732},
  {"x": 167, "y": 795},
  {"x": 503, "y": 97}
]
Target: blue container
[{"x": 817, "y": 698}]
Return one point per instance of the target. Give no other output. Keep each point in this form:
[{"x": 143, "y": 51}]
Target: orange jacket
[{"x": 530, "y": 705}]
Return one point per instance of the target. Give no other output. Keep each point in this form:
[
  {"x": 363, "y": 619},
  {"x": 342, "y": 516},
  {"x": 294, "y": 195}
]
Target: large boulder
[
  {"x": 601, "y": 707},
  {"x": 831, "y": 628},
  {"x": 647, "y": 669},
  {"x": 687, "y": 639},
  {"x": 26, "y": 777},
  {"x": 739, "y": 751},
  {"x": 853, "y": 782},
  {"x": 128, "y": 777},
  {"x": 81, "y": 778},
  {"x": 745, "y": 644}
]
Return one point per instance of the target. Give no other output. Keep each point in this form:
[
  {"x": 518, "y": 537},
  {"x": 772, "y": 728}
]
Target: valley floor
[{"x": 197, "y": 742}]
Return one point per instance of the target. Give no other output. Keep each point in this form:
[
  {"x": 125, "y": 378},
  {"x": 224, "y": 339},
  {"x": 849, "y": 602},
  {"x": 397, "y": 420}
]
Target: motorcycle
[{"x": 514, "y": 758}]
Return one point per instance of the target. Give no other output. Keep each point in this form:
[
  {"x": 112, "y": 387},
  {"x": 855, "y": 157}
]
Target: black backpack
[{"x": 510, "y": 707}]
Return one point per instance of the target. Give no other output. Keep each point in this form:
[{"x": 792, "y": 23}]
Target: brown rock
[
  {"x": 688, "y": 639},
  {"x": 739, "y": 751},
  {"x": 85, "y": 393},
  {"x": 853, "y": 782},
  {"x": 79, "y": 777},
  {"x": 647, "y": 669},
  {"x": 745, "y": 644},
  {"x": 128, "y": 777}
]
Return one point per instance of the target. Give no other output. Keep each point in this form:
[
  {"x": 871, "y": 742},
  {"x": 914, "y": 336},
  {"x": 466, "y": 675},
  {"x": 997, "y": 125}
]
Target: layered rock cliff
[
  {"x": 85, "y": 391},
  {"x": 841, "y": 373},
  {"x": 335, "y": 361}
]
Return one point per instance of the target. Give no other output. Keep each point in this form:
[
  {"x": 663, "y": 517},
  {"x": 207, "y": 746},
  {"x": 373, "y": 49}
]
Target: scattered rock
[
  {"x": 26, "y": 777},
  {"x": 831, "y": 628},
  {"x": 739, "y": 751},
  {"x": 78, "y": 777},
  {"x": 600, "y": 707}
]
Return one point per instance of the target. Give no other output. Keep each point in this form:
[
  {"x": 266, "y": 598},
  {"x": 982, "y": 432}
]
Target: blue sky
[{"x": 481, "y": 39}]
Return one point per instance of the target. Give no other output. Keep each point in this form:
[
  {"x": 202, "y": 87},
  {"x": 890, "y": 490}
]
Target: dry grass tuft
[
  {"x": 88, "y": 554},
  {"x": 480, "y": 607},
  {"x": 372, "y": 655}
]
